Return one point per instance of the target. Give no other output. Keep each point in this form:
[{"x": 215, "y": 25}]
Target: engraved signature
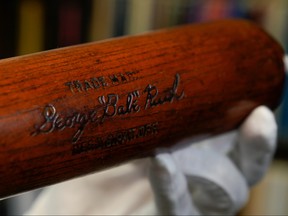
[{"x": 109, "y": 107}]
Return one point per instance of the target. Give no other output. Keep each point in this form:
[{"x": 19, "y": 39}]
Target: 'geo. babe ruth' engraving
[{"x": 109, "y": 106}]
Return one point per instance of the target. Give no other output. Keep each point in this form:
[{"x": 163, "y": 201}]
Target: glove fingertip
[
  {"x": 260, "y": 128},
  {"x": 256, "y": 144},
  {"x": 163, "y": 161}
]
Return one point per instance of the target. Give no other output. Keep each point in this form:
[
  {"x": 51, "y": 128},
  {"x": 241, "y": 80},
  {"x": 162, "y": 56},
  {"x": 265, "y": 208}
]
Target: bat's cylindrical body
[{"x": 72, "y": 111}]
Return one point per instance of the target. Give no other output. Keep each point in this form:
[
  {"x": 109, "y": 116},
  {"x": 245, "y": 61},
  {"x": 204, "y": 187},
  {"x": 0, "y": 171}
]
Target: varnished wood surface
[{"x": 72, "y": 111}]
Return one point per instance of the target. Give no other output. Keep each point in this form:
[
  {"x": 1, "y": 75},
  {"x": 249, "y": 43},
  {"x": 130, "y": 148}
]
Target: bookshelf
[
  {"x": 29, "y": 26},
  {"x": 44, "y": 24}
]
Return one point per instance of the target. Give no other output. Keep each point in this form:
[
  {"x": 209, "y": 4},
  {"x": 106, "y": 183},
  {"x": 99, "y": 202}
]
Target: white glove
[
  {"x": 122, "y": 190},
  {"x": 213, "y": 176},
  {"x": 197, "y": 179}
]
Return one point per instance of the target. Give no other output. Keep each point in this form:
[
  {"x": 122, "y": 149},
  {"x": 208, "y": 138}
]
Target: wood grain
[{"x": 72, "y": 111}]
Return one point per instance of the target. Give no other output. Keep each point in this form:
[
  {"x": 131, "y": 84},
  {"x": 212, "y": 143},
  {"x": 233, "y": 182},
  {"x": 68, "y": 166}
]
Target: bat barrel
[{"x": 72, "y": 111}]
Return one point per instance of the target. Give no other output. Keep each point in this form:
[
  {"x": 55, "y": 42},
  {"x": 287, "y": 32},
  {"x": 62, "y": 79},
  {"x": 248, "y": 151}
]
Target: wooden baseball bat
[{"x": 75, "y": 110}]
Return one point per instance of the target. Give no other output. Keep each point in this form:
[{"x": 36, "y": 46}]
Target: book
[
  {"x": 31, "y": 27},
  {"x": 102, "y": 24},
  {"x": 214, "y": 10},
  {"x": 69, "y": 31},
  {"x": 275, "y": 20},
  {"x": 120, "y": 17},
  {"x": 67, "y": 22},
  {"x": 8, "y": 28},
  {"x": 139, "y": 16},
  {"x": 161, "y": 14},
  {"x": 188, "y": 11},
  {"x": 51, "y": 18},
  {"x": 169, "y": 13},
  {"x": 176, "y": 9}
]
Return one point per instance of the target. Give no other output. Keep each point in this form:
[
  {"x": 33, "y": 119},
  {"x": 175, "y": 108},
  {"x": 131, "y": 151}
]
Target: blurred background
[{"x": 28, "y": 26}]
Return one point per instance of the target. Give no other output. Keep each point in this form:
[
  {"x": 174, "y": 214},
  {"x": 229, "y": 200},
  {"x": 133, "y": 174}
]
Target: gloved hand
[
  {"x": 204, "y": 177},
  {"x": 213, "y": 176}
]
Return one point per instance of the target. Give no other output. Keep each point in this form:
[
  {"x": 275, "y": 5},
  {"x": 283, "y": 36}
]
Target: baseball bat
[{"x": 72, "y": 111}]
